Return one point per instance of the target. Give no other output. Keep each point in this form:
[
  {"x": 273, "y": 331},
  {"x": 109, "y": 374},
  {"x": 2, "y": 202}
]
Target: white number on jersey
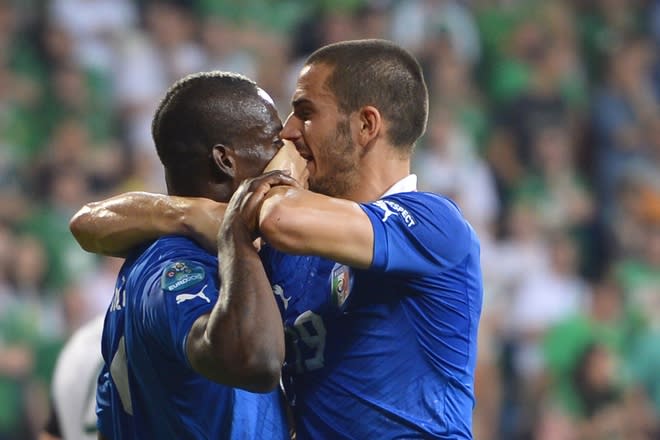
[
  {"x": 119, "y": 373},
  {"x": 306, "y": 340}
]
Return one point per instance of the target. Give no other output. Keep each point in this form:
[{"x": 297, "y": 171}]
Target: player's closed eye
[{"x": 303, "y": 114}]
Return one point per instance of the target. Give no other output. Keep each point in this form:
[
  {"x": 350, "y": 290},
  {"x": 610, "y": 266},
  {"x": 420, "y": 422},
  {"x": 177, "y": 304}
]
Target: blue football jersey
[
  {"x": 147, "y": 389},
  {"x": 387, "y": 352}
]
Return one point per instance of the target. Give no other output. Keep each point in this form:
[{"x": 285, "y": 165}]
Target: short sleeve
[
  {"x": 185, "y": 290},
  {"x": 418, "y": 233}
]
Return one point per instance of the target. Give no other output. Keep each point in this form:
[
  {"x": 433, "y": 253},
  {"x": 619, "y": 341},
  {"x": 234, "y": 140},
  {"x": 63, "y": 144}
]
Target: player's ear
[
  {"x": 369, "y": 124},
  {"x": 224, "y": 161}
]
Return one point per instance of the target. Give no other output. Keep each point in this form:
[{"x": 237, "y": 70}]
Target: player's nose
[{"x": 292, "y": 129}]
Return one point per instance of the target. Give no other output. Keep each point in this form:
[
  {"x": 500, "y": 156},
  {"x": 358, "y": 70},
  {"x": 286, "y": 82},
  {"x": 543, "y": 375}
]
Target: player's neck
[{"x": 378, "y": 174}]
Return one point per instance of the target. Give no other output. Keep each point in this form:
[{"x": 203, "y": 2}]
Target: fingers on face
[{"x": 272, "y": 178}]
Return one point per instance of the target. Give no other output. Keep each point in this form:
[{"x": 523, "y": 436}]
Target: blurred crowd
[{"x": 544, "y": 127}]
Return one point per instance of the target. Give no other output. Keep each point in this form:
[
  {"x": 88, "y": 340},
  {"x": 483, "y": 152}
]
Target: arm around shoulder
[
  {"x": 306, "y": 223},
  {"x": 116, "y": 225}
]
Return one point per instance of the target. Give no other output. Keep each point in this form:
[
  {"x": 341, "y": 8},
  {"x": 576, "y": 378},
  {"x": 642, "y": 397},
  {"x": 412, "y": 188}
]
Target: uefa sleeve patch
[{"x": 182, "y": 275}]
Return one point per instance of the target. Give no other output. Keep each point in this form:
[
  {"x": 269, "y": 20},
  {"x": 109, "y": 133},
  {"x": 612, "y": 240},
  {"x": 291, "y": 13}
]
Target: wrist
[{"x": 235, "y": 235}]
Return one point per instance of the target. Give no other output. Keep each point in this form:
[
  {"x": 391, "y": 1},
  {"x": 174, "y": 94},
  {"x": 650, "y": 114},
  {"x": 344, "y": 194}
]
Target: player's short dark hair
[
  {"x": 382, "y": 74},
  {"x": 203, "y": 110}
]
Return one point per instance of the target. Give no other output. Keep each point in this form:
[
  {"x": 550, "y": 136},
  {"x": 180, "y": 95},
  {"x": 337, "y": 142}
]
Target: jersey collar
[{"x": 407, "y": 184}]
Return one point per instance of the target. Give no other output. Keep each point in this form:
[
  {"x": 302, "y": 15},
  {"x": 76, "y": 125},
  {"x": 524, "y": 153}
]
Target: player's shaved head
[
  {"x": 381, "y": 74},
  {"x": 199, "y": 112}
]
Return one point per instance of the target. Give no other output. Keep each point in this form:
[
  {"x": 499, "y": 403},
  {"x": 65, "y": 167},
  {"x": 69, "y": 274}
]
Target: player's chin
[{"x": 315, "y": 185}]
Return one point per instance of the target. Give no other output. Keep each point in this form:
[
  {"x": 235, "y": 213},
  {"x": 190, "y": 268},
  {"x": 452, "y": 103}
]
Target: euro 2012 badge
[
  {"x": 340, "y": 284},
  {"x": 180, "y": 275}
]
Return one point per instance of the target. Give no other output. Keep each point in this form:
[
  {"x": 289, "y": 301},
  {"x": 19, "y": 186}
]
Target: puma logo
[
  {"x": 187, "y": 296},
  {"x": 382, "y": 205},
  {"x": 278, "y": 291}
]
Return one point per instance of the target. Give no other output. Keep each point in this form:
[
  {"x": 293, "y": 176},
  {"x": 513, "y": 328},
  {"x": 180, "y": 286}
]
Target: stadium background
[{"x": 544, "y": 126}]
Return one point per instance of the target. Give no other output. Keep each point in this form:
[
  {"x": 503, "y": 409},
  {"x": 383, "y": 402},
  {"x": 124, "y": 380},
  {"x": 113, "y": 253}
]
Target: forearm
[
  {"x": 244, "y": 336},
  {"x": 116, "y": 225},
  {"x": 306, "y": 223}
]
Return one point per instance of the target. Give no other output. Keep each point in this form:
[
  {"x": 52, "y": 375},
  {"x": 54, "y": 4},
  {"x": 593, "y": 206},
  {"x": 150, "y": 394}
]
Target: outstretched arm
[
  {"x": 241, "y": 342},
  {"x": 115, "y": 225}
]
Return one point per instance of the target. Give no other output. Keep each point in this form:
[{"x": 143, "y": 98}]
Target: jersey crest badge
[
  {"x": 181, "y": 275},
  {"x": 340, "y": 284}
]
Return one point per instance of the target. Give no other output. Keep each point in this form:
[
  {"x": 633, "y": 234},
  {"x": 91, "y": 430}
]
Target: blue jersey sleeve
[
  {"x": 417, "y": 233},
  {"x": 185, "y": 290}
]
